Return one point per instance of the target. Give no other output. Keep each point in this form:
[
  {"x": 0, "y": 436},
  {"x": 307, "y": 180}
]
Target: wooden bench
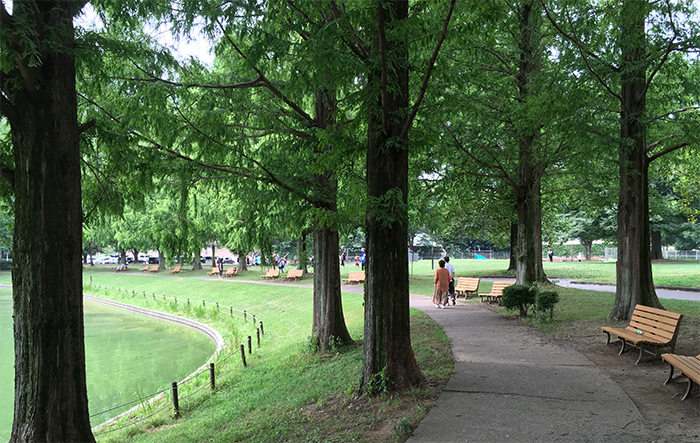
[
  {"x": 175, "y": 270},
  {"x": 294, "y": 274},
  {"x": 689, "y": 367},
  {"x": 649, "y": 327},
  {"x": 355, "y": 277},
  {"x": 145, "y": 269},
  {"x": 214, "y": 271},
  {"x": 231, "y": 272},
  {"x": 466, "y": 286},
  {"x": 153, "y": 269},
  {"x": 496, "y": 291},
  {"x": 271, "y": 273}
]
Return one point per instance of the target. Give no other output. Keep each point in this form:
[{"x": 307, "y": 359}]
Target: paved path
[{"x": 515, "y": 384}]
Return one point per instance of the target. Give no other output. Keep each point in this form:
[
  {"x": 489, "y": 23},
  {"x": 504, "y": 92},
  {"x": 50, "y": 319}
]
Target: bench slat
[
  {"x": 648, "y": 329},
  {"x": 658, "y": 311},
  {"x": 654, "y": 319}
]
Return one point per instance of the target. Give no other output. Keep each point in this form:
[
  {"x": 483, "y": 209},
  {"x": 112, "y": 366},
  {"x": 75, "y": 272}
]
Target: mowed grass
[
  {"x": 674, "y": 273},
  {"x": 287, "y": 392}
]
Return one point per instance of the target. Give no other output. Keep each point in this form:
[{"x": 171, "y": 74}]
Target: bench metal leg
[
  {"x": 608, "y": 334},
  {"x": 622, "y": 348},
  {"x": 670, "y": 375},
  {"x": 690, "y": 388}
]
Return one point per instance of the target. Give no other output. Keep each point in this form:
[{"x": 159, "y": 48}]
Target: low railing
[{"x": 173, "y": 393}]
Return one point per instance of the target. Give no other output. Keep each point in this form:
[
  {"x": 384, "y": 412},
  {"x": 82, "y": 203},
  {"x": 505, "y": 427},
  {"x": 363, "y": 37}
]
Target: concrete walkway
[{"x": 513, "y": 383}]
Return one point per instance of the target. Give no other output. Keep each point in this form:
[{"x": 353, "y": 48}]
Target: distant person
[
  {"x": 442, "y": 286},
  {"x": 451, "y": 270},
  {"x": 220, "y": 265},
  {"x": 281, "y": 263},
  {"x": 121, "y": 267},
  {"x": 551, "y": 255},
  {"x": 363, "y": 258},
  {"x": 357, "y": 262}
]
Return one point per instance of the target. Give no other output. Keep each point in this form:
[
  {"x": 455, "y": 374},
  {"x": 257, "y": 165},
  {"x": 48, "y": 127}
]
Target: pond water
[{"x": 127, "y": 356}]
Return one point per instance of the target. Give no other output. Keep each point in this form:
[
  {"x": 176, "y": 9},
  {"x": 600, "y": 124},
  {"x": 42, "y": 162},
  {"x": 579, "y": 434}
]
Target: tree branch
[{"x": 426, "y": 78}]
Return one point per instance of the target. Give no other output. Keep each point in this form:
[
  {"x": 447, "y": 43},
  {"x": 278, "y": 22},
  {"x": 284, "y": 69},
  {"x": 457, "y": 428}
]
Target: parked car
[{"x": 106, "y": 261}]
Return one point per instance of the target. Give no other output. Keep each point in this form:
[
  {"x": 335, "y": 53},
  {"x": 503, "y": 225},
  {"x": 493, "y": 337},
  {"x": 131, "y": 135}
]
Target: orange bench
[
  {"x": 649, "y": 327},
  {"x": 294, "y": 274},
  {"x": 466, "y": 286},
  {"x": 496, "y": 291},
  {"x": 272, "y": 273},
  {"x": 355, "y": 277}
]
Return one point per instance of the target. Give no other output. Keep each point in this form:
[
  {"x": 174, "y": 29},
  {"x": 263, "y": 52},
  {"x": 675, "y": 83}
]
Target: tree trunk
[
  {"x": 634, "y": 278},
  {"x": 161, "y": 259},
  {"x": 656, "y": 252},
  {"x": 513, "y": 262},
  {"x": 197, "y": 262},
  {"x": 388, "y": 356},
  {"x": 242, "y": 265},
  {"x": 50, "y": 388},
  {"x": 329, "y": 322},
  {"x": 587, "y": 246},
  {"x": 136, "y": 255},
  {"x": 122, "y": 257},
  {"x": 529, "y": 268}
]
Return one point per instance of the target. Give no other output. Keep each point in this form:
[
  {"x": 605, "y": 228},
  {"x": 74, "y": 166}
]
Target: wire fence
[{"x": 158, "y": 401}]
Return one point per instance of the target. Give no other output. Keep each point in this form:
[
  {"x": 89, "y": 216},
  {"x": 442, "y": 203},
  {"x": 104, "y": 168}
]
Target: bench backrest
[
  {"x": 356, "y": 275},
  {"x": 467, "y": 284},
  {"x": 273, "y": 272},
  {"x": 295, "y": 273},
  {"x": 658, "y": 323},
  {"x": 176, "y": 269},
  {"x": 498, "y": 286},
  {"x": 154, "y": 269}
]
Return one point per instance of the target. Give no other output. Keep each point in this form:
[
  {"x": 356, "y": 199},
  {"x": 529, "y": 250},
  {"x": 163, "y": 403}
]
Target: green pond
[{"x": 127, "y": 356}]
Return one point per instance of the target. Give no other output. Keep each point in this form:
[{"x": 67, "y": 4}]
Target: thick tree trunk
[
  {"x": 161, "y": 259},
  {"x": 635, "y": 284},
  {"x": 242, "y": 265},
  {"x": 197, "y": 262},
  {"x": 388, "y": 355},
  {"x": 50, "y": 388},
  {"x": 587, "y": 246},
  {"x": 329, "y": 322},
  {"x": 656, "y": 252},
  {"x": 513, "y": 262},
  {"x": 529, "y": 268}
]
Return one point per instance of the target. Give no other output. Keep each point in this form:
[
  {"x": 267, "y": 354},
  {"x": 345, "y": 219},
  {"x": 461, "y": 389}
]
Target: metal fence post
[
  {"x": 250, "y": 345},
  {"x": 176, "y": 403},
  {"x": 243, "y": 355},
  {"x": 262, "y": 331},
  {"x": 257, "y": 332},
  {"x": 212, "y": 378}
]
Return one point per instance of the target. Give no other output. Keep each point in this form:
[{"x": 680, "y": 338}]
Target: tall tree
[
  {"x": 648, "y": 37},
  {"x": 388, "y": 355},
  {"x": 39, "y": 100}
]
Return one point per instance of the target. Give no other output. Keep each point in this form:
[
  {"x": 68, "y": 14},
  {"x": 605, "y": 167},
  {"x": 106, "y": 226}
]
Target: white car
[{"x": 106, "y": 261}]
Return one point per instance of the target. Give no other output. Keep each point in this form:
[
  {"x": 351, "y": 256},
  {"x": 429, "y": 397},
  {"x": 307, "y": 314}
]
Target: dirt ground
[{"x": 667, "y": 417}]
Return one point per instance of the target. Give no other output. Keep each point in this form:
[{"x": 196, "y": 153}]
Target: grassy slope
[{"x": 270, "y": 400}]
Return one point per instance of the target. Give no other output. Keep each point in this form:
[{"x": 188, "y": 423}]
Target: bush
[
  {"x": 5, "y": 265},
  {"x": 519, "y": 296},
  {"x": 545, "y": 301}
]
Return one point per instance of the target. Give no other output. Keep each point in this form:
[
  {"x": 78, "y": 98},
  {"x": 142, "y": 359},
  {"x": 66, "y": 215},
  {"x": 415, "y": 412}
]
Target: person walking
[
  {"x": 451, "y": 270},
  {"x": 442, "y": 286}
]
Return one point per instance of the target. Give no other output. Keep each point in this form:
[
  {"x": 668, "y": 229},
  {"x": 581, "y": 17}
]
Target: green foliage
[
  {"x": 5, "y": 265},
  {"x": 402, "y": 429},
  {"x": 519, "y": 296},
  {"x": 544, "y": 303},
  {"x": 379, "y": 383}
]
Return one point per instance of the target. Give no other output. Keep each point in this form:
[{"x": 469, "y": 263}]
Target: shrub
[
  {"x": 519, "y": 296},
  {"x": 545, "y": 301}
]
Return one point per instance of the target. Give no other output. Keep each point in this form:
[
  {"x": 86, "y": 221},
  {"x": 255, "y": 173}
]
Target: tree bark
[
  {"x": 656, "y": 252},
  {"x": 388, "y": 356},
  {"x": 50, "y": 388},
  {"x": 328, "y": 323},
  {"x": 513, "y": 262},
  {"x": 197, "y": 262},
  {"x": 635, "y": 284},
  {"x": 587, "y": 246},
  {"x": 529, "y": 268}
]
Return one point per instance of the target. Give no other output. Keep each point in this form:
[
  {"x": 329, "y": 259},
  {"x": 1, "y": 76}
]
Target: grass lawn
[{"x": 289, "y": 393}]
